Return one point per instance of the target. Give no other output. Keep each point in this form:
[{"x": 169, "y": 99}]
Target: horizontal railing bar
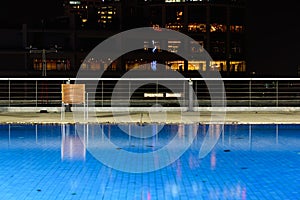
[{"x": 145, "y": 78}]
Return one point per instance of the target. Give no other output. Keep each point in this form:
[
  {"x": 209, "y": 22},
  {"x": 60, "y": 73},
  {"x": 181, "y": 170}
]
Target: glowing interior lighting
[{"x": 74, "y": 2}]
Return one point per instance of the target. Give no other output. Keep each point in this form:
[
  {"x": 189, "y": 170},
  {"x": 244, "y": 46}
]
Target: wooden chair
[{"x": 72, "y": 94}]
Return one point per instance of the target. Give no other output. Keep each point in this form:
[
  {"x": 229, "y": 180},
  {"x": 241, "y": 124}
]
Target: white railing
[{"x": 246, "y": 92}]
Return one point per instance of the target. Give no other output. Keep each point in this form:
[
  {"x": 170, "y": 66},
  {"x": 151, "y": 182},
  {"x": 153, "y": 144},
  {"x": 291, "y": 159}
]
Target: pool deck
[{"x": 237, "y": 117}]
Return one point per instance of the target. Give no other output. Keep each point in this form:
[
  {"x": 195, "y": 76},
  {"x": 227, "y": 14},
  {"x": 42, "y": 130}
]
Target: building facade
[{"x": 62, "y": 45}]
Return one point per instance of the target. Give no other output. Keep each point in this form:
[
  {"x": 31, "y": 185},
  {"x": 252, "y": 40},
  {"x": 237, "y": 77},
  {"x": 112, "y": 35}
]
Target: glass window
[
  {"x": 173, "y": 46},
  {"x": 237, "y": 66},
  {"x": 52, "y": 64},
  {"x": 217, "y": 27},
  {"x": 197, "y": 27},
  {"x": 177, "y": 65},
  {"x": 195, "y": 46}
]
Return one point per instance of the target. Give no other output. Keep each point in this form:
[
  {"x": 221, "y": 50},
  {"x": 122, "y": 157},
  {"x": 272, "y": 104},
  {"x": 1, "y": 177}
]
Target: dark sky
[
  {"x": 273, "y": 30},
  {"x": 273, "y": 36},
  {"x": 29, "y": 11}
]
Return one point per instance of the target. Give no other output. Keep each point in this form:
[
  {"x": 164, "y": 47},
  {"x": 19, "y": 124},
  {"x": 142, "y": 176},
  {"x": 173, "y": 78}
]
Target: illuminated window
[
  {"x": 156, "y": 46},
  {"x": 217, "y": 27},
  {"x": 237, "y": 66},
  {"x": 197, "y": 46},
  {"x": 74, "y": 2},
  {"x": 174, "y": 26},
  {"x": 138, "y": 65},
  {"x": 52, "y": 64},
  {"x": 235, "y": 28},
  {"x": 177, "y": 65},
  {"x": 174, "y": 1},
  {"x": 173, "y": 46},
  {"x": 197, "y": 65},
  {"x": 197, "y": 27},
  {"x": 218, "y": 65},
  {"x": 156, "y": 27},
  {"x": 146, "y": 45},
  {"x": 106, "y": 15},
  {"x": 192, "y": 65}
]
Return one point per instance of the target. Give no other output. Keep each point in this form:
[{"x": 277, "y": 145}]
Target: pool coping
[{"x": 233, "y": 117}]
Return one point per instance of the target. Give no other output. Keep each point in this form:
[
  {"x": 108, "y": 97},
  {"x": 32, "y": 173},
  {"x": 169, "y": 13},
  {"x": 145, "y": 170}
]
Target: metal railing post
[
  {"x": 196, "y": 93},
  {"x": 276, "y": 93},
  {"x": 156, "y": 100},
  {"x": 250, "y": 91},
  {"x": 184, "y": 97},
  {"x": 191, "y": 98},
  {"x": 101, "y": 94},
  {"x": 8, "y": 93},
  {"x": 36, "y": 93},
  {"x": 129, "y": 90}
]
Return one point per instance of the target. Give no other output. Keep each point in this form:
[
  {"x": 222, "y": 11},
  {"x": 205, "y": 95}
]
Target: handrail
[
  {"x": 142, "y": 78},
  {"x": 239, "y": 91}
]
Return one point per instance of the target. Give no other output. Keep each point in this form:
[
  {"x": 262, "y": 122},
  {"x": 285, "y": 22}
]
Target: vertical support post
[
  {"x": 36, "y": 93},
  {"x": 196, "y": 93},
  {"x": 191, "y": 96},
  {"x": 101, "y": 94},
  {"x": 156, "y": 100},
  {"x": 129, "y": 89},
  {"x": 276, "y": 93},
  {"x": 184, "y": 95},
  {"x": 8, "y": 93},
  {"x": 250, "y": 95}
]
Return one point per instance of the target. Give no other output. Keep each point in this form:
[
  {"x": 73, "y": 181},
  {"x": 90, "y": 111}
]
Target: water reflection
[
  {"x": 72, "y": 147},
  {"x": 247, "y": 160}
]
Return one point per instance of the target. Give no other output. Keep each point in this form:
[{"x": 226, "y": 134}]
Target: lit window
[
  {"x": 173, "y": 46},
  {"x": 174, "y": 26},
  {"x": 236, "y": 28},
  {"x": 146, "y": 45},
  {"x": 174, "y": 1},
  {"x": 177, "y": 65},
  {"x": 74, "y": 2},
  {"x": 197, "y": 27},
  {"x": 217, "y": 27},
  {"x": 218, "y": 65},
  {"x": 197, "y": 65},
  {"x": 237, "y": 66},
  {"x": 197, "y": 46}
]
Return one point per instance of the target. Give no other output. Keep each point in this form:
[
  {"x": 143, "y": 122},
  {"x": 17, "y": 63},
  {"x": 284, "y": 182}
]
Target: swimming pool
[{"x": 51, "y": 162}]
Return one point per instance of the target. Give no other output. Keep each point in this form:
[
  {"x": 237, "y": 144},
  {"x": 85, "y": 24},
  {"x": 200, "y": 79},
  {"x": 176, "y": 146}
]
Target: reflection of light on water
[
  {"x": 181, "y": 130},
  {"x": 213, "y": 160},
  {"x": 72, "y": 147},
  {"x": 178, "y": 168},
  {"x": 172, "y": 190},
  {"x": 145, "y": 194},
  {"x": 236, "y": 192}
]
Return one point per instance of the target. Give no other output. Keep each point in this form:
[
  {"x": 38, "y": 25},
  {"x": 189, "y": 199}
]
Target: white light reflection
[{"x": 72, "y": 147}]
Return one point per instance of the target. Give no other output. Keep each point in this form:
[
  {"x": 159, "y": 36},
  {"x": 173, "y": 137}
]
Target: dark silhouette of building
[{"x": 217, "y": 25}]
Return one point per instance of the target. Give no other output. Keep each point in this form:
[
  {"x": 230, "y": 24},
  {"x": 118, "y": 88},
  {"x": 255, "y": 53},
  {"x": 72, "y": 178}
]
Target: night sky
[
  {"x": 273, "y": 37},
  {"x": 273, "y": 30}
]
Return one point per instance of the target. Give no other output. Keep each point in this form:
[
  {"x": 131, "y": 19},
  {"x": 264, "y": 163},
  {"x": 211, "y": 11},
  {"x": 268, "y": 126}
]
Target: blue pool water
[{"x": 55, "y": 162}]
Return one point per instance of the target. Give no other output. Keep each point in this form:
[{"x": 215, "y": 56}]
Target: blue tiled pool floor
[{"x": 248, "y": 162}]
